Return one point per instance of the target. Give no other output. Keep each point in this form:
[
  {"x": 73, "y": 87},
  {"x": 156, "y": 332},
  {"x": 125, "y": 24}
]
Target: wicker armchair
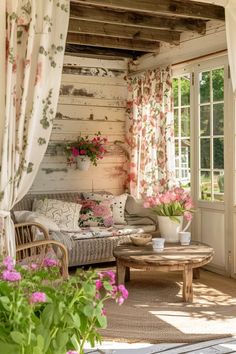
[{"x": 28, "y": 247}]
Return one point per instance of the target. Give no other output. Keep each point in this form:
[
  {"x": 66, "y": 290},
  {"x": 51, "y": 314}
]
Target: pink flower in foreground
[
  {"x": 120, "y": 293},
  {"x": 114, "y": 291},
  {"x": 120, "y": 300},
  {"x": 123, "y": 291},
  {"x": 34, "y": 266},
  {"x": 108, "y": 275},
  {"x": 104, "y": 312},
  {"x": 11, "y": 275},
  {"x": 49, "y": 262},
  {"x": 37, "y": 297},
  {"x": 8, "y": 263},
  {"x": 98, "y": 284},
  {"x": 72, "y": 352}
]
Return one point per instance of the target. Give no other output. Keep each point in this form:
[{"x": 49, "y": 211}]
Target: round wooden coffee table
[{"x": 174, "y": 257}]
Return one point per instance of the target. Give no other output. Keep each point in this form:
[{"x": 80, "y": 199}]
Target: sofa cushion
[
  {"x": 65, "y": 215},
  {"x": 96, "y": 213},
  {"x": 30, "y": 216},
  {"x": 134, "y": 209},
  {"x": 118, "y": 204}
]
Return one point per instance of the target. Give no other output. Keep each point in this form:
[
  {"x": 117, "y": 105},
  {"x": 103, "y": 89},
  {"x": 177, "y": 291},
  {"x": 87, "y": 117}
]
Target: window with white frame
[
  {"x": 181, "y": 92},
  {"x": 211, "y": 134}
]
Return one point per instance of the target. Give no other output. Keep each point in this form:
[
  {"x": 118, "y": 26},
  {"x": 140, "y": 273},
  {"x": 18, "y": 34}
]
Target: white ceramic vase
[
  {"x": 170, "y": 229},
  {"x": 83, "y": 163}
]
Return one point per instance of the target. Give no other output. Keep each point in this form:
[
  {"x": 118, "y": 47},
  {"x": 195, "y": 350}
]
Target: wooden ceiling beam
[
  {"x": 175, "y": 8},
  {"x": 113, "y": 42},
  {"x": 110, "y": 30},
  {"x": 83, "y": 50},
  {"x": 136, "y": 19}
]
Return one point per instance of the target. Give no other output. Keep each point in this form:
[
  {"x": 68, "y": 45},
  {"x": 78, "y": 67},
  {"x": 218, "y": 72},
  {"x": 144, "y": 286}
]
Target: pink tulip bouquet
[{"x": 172, "y": 203}]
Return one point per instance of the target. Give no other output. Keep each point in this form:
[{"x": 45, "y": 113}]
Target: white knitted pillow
[
  {"x": 30, "y": 216},
  {"x": 118, "y": 204},
  {"x": 65, "y": 214}
]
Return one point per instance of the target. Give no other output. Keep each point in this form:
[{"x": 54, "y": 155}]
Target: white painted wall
[{"x": 93, "y": 98}]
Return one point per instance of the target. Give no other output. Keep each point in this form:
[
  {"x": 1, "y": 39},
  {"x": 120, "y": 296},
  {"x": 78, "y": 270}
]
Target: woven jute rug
[{"x": 155, "y": 313}]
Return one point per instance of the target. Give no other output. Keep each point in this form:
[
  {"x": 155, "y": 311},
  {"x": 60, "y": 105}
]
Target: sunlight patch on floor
[
  {"x": 195, "y": 322},
  {"x": 229, "y": 346}
]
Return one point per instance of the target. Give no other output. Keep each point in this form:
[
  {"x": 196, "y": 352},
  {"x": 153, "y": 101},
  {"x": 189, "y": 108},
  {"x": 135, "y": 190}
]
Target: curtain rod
[
  {"x": 223, "y": 51},
  {"x": 189, "y": 61}
]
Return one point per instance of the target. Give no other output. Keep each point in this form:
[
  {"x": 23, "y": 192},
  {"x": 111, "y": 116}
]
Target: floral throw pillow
[
  {"x": 118, "y": 204},
  {"x": 95, "y": 213}
]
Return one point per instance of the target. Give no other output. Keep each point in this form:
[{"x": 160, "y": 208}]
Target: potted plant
[
  {"x": 40, "y": 313},
  {"x": 171, "y": 207},
  {"x": 86, "y": 150}
]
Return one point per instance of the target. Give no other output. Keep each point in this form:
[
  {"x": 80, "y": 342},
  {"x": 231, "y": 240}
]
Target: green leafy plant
[
  {"x": 42, "y": 314},
  {"x": 94, "y": 148}
]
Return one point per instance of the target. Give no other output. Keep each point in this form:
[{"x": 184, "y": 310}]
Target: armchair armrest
[
  {"x": 42, "y": 247},
  {"x": 27, "y": 244},
  {"x": 27, "y": 232}
]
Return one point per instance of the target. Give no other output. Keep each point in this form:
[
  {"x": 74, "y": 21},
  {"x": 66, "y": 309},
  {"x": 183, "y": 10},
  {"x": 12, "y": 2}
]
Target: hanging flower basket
[
  {"x": 85, "y": 151},
  {"x": 83, "y": 163}
]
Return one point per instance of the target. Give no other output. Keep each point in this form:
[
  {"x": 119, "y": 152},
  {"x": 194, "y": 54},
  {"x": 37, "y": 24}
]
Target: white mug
[
  {"x": 158, "y": 244},
  {"x": 185, "y": 237}
]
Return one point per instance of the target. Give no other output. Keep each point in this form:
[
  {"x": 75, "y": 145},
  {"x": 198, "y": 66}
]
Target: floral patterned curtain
[
  {"x": 35, "y": 41},
  {"x": 150, "y": 133}
]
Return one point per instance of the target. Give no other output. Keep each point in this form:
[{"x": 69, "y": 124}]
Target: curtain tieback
[{"x": 4, "y": 213}]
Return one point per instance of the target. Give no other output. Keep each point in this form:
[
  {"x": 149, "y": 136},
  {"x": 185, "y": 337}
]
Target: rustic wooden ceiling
[{"x": 130, "y": 28}]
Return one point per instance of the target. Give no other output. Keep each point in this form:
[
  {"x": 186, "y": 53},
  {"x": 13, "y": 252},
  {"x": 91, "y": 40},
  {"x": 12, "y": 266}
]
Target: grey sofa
[{"x": 96, "y": 249}]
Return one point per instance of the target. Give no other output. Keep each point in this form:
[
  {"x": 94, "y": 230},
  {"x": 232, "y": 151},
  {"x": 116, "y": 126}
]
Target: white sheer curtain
[{"x": 35, "y": 42}]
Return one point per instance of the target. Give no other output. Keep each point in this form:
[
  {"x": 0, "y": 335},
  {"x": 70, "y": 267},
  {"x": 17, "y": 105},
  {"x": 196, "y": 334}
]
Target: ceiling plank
[
  {"x": 110, "y": 30},
  {"x": 136, "y": 19},
  {"x": 113, "y": 42},
  {"x": 176, "y": 8}
]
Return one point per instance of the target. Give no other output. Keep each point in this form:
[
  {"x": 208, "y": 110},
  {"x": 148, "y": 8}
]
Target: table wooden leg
[
  {"x": 196, "y": 273},
  {"x": 120, "y": 273},
  {"x": 127, "y": 273},
  {"x": 188, "y": 284}
]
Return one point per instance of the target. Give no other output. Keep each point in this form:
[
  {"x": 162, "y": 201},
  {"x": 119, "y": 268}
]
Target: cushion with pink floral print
[{"x": 95, "y": 213}]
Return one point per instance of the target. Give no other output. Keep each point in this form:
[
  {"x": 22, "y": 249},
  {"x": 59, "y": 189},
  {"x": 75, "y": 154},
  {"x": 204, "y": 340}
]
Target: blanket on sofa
[{"x": 68, "y": 238}]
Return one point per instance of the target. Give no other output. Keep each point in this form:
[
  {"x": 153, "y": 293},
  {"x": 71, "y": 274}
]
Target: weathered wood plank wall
[{"x": 92, "y": 98}]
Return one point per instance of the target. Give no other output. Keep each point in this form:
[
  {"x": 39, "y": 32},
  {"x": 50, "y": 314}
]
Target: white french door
[{"x": 211, "y": 157}]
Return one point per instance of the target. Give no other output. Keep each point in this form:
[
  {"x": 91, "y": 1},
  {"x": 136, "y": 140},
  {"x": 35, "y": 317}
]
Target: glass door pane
[{"x": 211, "y": 134}]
